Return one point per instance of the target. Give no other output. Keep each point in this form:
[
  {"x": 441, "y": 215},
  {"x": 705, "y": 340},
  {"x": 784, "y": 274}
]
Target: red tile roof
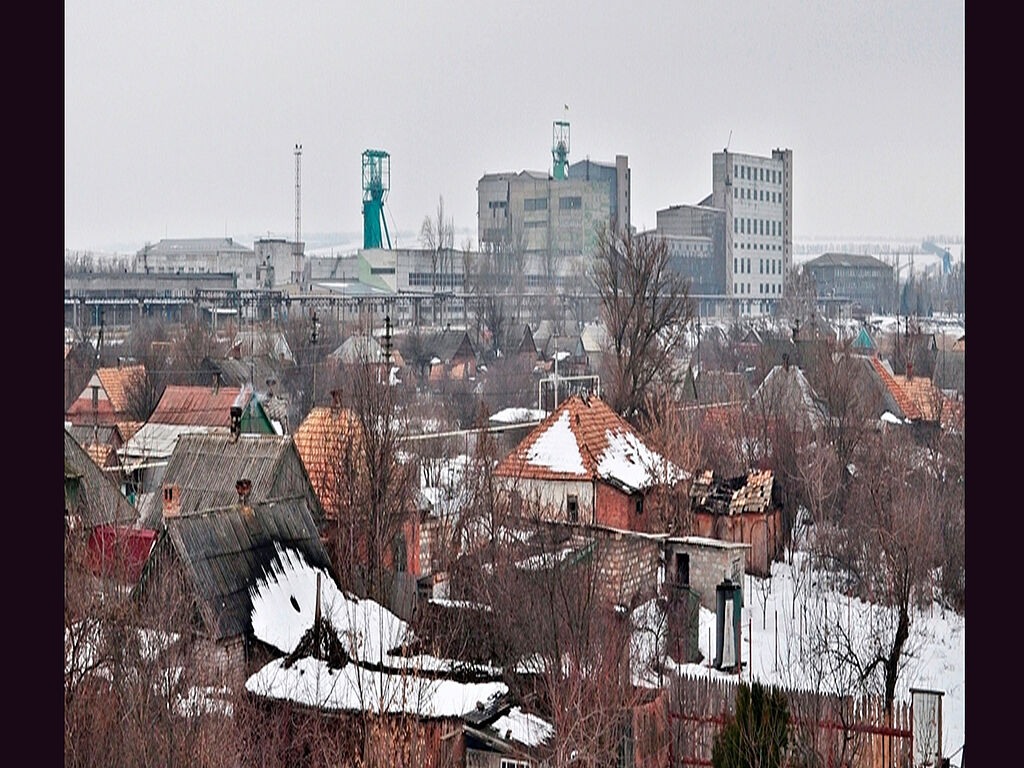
[
  {"x": 195, "y": 406},
  {"x": 916, "y": 396},
  {"x": 323, "y": 440},
  {"x": 591, "y": 422},
  {"x": 116, "y": 381}
]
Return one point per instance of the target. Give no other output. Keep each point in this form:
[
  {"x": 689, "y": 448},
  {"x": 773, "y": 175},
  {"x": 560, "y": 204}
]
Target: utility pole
[{"x": 314, "y": 335}]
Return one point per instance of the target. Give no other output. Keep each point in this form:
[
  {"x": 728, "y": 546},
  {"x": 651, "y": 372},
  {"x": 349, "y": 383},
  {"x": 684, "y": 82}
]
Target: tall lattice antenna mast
[{"x": 297, "y": 249}]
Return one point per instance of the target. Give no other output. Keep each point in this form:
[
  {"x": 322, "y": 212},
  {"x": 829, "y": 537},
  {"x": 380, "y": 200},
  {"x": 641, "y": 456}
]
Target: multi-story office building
[{"x": 756, "y": 194}]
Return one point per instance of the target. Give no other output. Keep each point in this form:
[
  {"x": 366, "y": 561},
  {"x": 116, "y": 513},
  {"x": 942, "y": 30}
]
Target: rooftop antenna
[{"x": 729, "y": 141}]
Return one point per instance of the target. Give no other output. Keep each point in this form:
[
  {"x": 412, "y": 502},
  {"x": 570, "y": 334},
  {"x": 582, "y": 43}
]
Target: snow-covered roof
[
  {"x": 517, "y": 415},
  {"x": 524, "y": 727},
  {"x": 311, "y": 682},
  {"x": 585, "y": 439}
]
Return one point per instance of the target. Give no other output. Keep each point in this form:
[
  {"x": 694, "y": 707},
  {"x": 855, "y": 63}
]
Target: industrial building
[
  {"x": 862, "y": 279},
  {"x": 553, "y": 219},
  {"x": 200, "y": 255},
  {"x": 756, "y": 194},
  {"x": 695, "y": 238}
]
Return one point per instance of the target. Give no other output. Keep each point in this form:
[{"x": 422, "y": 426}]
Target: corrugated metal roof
[
  {"x": 157, "y": 441},
  {"x": 226, "y": 550},
  {"x": 200, "y": 406}
]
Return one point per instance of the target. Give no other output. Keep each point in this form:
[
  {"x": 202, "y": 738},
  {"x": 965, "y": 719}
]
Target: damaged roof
[
  {"x": 585, "y": 439},
  {"x": 750, "y": 493}
]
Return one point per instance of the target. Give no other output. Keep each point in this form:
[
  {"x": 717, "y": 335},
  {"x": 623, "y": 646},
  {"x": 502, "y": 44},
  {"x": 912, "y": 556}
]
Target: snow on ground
[
  {"x": 312, "y": 682},
  {"x": 935, "y": 650},
  {"x": 557, "y": 449},
  {"x": 523, "y": 727}
]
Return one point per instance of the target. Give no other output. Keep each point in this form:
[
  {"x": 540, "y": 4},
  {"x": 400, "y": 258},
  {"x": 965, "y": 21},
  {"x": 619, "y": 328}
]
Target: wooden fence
[{"x": 678, "y": 728}]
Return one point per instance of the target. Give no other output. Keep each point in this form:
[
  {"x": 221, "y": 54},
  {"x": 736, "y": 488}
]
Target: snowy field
[{"x": 779, "y": 648}]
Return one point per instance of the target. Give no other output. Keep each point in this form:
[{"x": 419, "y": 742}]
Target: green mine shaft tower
[
  {"x": 560, "y": 149},
  {"x": 376, "y": 182}
]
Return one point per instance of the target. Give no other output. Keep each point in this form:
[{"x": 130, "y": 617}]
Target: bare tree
[
  {"x": 646, "y": 310},
  {"x": 438, "y": 236}
]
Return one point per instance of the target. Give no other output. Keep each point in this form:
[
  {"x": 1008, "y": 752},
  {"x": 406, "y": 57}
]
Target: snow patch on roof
[
  {"x": 556, "y": 449},
  {"x": 523, "y": 727},
  {"x": 284, "y": 607},
  {"x": 628, "y": 461},
  {"x": 516, "y": 415},
  {"x": 313, "y": 683}
]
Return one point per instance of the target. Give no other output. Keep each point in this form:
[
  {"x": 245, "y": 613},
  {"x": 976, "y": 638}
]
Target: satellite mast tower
[
  {"x": 297, "y": 244},
  {"x": 376, "y": 183}
]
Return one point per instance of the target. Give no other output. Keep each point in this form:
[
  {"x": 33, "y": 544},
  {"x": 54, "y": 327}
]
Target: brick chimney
[
  {"x": 910, "y": 371},
  {"x": 172, "y": 501},
  {"x": 216, "y": 381},
  {"x": 785, "y": 361},
  {"x": 336, "y": 398},
  {"x": 244, "y": 489}
]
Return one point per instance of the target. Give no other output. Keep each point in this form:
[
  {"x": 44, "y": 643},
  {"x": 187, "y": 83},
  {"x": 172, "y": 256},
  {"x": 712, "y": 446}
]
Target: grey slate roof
[
  {"x": 845, "y": 260},
  {"x": 198, "y": 244},
  {"x": 225, "y": 551},
  {"x": 206, "y": 467},
  {"x": 98, "y": 501}
]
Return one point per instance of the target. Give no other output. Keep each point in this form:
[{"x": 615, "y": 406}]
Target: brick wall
[
  {"x": 761, "y": 531},
  {"x": 627, "y": 566},
  {"x": 709, "y": 565}
]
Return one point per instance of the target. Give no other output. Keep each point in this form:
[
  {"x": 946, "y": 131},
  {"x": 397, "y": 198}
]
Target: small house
[
  {"x": 105, "y": 400},
  {"x": 746, "y": 509},
  {"x": 586, "y": 464}
]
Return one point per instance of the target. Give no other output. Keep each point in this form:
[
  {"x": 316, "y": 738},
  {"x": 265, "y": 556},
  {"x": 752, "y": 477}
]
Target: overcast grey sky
[{"x": 180, "y": 118}]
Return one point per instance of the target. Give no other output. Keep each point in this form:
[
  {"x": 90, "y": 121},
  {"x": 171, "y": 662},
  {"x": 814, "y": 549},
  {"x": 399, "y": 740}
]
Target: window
[
  {"x": 572, "y": 507},
  {"x": 639, "y": 505},
  {"x": 535, "y": 204},
  {"x": 382, "y": 270},
  {"x": 570, "y": 203},
  {"x": 682, "y": 569},
  {"x": 507, "y": 762},
  {"x": 497, "y": 204}
]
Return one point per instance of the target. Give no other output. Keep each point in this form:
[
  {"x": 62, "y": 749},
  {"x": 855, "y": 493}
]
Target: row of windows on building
[
  {"x": 770, "y": 288},
  {"x": 770, "y": 227},
  {"x": 764, "y": 196},
  {"x": 764, "y": 266},
  {"x": 427, "y": 279},
  {"x": 757, "y": 174},
  {"x": 758, "y": 247}
]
